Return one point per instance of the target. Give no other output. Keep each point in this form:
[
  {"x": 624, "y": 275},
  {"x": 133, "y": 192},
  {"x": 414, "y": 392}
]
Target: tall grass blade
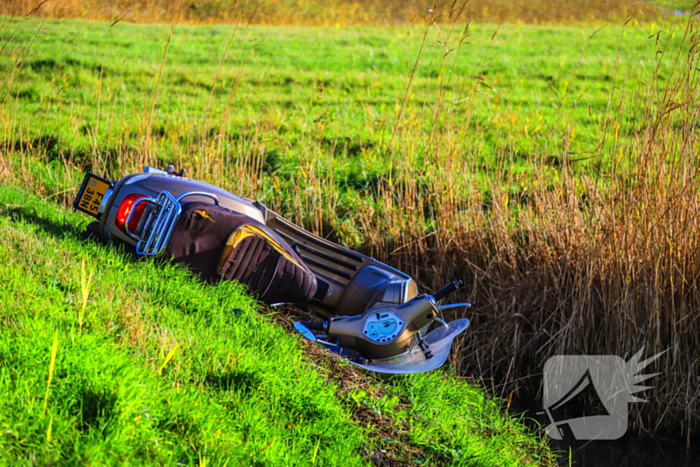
[
  {"x": 85, "y": 285},
  {"x": 52, "y": 364},
  {"x": 167, "y": 359}
]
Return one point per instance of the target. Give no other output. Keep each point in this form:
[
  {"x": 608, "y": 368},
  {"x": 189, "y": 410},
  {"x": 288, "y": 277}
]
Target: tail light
[{"x": 130, "y": 203}]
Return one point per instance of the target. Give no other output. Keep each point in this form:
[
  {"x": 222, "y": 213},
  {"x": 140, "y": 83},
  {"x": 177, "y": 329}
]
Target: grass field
[
  {"x": 337, "y": 85},
  {"x": 107, "y": 360},
  {"x": 553, "y": 167}
]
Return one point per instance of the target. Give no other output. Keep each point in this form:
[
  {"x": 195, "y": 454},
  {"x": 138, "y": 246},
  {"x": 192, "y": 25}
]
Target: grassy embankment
[
  {"x": 105, "y": 359},
  {"x": 551, "y": 167}
]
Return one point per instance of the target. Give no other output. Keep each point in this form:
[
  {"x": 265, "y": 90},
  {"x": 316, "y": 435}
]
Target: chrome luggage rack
[{"x": 160, "y": 221}]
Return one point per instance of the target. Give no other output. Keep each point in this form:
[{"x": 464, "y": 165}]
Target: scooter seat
[{"x": 214, "y": 241}]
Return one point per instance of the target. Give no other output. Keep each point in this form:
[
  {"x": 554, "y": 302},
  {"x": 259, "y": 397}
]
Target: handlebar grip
[
  {"x": 447, "y": 290},
  {"x": 314, "y": 325}
]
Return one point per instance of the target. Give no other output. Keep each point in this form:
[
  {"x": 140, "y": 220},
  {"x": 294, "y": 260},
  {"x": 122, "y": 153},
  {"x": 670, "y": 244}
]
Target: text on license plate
[{"x": 90, "y": 197}]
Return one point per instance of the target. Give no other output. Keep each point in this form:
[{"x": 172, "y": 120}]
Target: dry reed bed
[
  {"x": 598, "y": 261},
  {"x": 601, "y": 262}
]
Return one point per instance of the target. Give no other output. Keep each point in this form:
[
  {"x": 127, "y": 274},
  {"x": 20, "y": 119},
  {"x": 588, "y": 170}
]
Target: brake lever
[{"x": 454, "y": 305}]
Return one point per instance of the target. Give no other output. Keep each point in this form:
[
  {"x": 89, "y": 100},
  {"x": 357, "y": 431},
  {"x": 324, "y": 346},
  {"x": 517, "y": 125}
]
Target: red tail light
[{"x": 126, "y": 207}]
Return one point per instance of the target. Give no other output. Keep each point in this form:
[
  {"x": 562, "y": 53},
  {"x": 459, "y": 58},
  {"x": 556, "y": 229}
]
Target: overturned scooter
[{"x": 371, "y": 313}]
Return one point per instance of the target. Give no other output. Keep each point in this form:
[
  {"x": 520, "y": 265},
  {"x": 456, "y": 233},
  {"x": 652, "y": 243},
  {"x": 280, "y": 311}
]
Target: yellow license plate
[{"x": 91, "y": 193}]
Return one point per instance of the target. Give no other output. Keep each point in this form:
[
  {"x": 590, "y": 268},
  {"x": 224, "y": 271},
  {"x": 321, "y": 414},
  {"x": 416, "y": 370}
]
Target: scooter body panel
[{"x": 349, "y": 282}]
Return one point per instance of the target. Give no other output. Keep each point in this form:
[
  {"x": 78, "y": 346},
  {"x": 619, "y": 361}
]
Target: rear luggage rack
[{"x": 161, "y": 221}]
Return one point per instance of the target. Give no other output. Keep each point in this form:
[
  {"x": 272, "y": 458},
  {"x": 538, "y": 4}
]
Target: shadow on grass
[
  {"x": 47, "y": 225},
  {"x": 242, "y": 381},
  {"x": 62, "y": 229}
]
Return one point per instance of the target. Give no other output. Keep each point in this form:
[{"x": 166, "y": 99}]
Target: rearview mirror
[{"x": 306, "y": 332}]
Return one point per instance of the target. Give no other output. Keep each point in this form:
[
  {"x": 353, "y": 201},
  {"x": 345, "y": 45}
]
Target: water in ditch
[{"x": 634, "y": 449}]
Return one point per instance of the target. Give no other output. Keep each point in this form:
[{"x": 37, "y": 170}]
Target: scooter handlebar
[
  {"x": 447, "y": 290},
  {"x": 314, "y": 325}
]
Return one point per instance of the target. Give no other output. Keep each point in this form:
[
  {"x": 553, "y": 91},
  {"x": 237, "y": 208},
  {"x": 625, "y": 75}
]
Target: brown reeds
[
  {"x": 603, "y": 259},
  {"x": 327, "y": 12}
]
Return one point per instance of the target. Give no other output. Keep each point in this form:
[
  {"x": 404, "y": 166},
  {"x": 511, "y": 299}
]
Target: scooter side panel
[{"x": 349, "y": 282}]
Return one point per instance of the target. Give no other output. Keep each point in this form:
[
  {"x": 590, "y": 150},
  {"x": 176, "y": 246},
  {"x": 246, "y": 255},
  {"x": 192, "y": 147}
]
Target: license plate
[{"x": 90, "y": 195}]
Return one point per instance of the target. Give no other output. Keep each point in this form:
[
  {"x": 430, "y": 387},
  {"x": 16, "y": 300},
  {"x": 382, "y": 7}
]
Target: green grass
[{"x": 238, "y": 389}]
